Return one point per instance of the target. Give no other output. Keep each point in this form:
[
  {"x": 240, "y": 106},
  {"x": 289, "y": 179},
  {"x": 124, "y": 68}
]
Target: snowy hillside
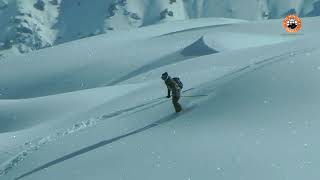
[
  {"x": 95, "y": 108},
  {"x": 28, "y": 25}
]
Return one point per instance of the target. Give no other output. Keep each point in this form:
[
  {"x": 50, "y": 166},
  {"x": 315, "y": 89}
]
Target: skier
[{"x": 174, "y": 85}]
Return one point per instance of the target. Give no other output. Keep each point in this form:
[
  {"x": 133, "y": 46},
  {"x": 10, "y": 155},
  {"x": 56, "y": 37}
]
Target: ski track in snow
[
  {"x": 34, "y": 145},
  {"x": 30, "y": 147},
  {"x": 105, "y": 142},
  {"x": 252, "y": 67}
]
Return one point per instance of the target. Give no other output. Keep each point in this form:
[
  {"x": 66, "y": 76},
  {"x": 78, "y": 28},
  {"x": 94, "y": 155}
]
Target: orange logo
[{"x": 292, "y": 24}]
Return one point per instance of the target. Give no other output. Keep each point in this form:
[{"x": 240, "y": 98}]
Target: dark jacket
[{"x": 173, "y": 87}]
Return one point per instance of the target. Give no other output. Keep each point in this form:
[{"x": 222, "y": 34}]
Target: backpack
[{"x": 177, "y": 80}]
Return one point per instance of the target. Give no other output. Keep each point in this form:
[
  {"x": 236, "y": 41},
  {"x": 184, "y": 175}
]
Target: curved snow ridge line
[
  {"x": 227, "y": 41},
  {"x": 196, "y": 49},
  {"x": 201, "y": 47},
  {"x": 198, "y": 28},
  {"x": 169, "y": 59},
  {"x": 161, "y": 121}
]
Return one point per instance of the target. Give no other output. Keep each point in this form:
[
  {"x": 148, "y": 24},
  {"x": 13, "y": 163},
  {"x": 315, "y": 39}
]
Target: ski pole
[
  {"x": 194, "y": 96},
  {"x": 187, "y": 90}
]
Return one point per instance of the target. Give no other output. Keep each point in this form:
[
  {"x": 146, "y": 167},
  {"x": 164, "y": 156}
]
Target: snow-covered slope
[
  {"x": 95, "y": 108},
  {"x": 28, "y": 25}
]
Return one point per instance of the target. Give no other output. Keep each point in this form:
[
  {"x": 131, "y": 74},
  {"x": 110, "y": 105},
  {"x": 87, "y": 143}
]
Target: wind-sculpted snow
[
  {"x": 53, "y": 71},
  {"x": 32, "y": 25},
  {"x": 250, "y": 103},
  {"x": 198, "y": 48}
]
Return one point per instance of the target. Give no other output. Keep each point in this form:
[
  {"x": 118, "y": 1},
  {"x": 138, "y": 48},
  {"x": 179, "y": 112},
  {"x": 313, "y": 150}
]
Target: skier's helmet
[{"x": 165, "y": 76}]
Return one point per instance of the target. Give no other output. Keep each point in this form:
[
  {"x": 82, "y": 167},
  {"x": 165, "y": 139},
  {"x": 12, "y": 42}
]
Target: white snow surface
[{"x": 95, "y": 108}]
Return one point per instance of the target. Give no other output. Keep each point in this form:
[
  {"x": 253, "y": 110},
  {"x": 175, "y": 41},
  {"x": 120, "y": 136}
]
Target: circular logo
[{"x": 292, "y": 23}]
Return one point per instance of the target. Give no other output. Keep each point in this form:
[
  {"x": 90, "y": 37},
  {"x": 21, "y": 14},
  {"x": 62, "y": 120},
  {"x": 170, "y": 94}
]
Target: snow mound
[
  {"x": 55, "y": 70},
  {"x": 198, "y": 48},
  {"x": 226, "y": 41}
]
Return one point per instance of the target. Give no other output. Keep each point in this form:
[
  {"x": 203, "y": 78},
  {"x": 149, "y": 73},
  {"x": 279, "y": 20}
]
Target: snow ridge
[{"x": 36, "y": 24}]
